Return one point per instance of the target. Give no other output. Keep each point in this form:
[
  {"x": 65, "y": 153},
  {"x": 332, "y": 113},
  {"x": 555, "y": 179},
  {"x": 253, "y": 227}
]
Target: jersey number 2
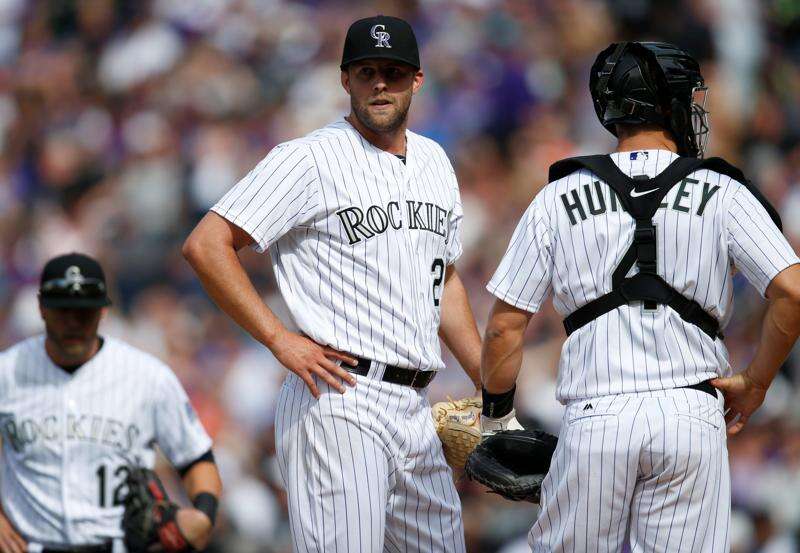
[
  {"x": 438, "y": 275},
  {"x": 118, "y": 495}
]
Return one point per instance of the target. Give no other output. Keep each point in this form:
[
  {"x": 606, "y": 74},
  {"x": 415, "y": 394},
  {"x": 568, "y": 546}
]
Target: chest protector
[{"x": 641, "y": 196}]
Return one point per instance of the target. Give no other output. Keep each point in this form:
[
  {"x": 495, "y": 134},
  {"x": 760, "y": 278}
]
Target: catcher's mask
[{"x": 652, "y": 82}]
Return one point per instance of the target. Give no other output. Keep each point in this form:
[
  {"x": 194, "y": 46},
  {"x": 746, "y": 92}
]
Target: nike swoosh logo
[{"x": 635, "y": 194}]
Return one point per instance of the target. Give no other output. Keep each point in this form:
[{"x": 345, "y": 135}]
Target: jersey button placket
[{"x": 413, "y": 269}]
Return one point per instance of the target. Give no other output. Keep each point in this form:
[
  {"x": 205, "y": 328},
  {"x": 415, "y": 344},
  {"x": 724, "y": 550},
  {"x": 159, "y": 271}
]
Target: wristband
[
  {"x": 206, "y": 503},
  {"x": 498, "y": 405}
]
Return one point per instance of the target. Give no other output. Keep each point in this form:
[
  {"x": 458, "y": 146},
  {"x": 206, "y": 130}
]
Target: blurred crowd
[{"x": 121, "y": 122}]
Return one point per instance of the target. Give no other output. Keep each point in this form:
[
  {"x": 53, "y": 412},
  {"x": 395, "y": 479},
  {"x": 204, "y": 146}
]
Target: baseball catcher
[{"x": 655, "y": 233}]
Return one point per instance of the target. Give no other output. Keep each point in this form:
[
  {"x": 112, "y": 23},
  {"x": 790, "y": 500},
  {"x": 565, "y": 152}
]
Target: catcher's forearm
[
  {"x": 211, "y": 251},
  {"x": 501, "y": 357},
  {"x": 780, "y": 328},
  {"x": 457, "y": 327}
]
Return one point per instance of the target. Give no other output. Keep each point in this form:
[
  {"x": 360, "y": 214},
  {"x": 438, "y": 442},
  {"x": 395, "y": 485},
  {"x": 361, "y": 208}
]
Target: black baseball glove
[
  {"x": 149, "y": 517},
  {"x": 513, "y": 463}
]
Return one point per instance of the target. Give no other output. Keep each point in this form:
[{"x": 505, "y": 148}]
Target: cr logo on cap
[
  {"x": 74, "y": 278},
  {"x": 381, "y": 36}
]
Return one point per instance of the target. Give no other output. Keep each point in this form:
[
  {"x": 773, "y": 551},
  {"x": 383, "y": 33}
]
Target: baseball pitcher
[{"x": 362, "y": 223}]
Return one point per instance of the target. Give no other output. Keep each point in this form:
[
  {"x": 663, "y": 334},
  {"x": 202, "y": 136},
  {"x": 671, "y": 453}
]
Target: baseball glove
[
  {"x": 513, "y": 463},
  {"x": 149, "y": 517},
  {"x": 458, "y": 426}
]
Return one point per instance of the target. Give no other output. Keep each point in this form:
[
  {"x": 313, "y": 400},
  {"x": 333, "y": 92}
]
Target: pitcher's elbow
[{"x": 192, "y": 249}]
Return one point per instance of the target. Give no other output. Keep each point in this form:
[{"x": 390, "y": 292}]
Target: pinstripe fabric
[
  {"x": 359, "y": 242},
  {"x": 66, "y": 437},
  {"x": 354, "y": 236},
  {"x": 575, "y": 233},
  {"x": 638, "y": 460},
  {"x": 364, "y": 471},
  {"x": 648, "y": 467}
]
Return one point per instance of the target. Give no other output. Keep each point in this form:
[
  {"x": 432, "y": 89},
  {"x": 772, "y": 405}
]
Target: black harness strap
[
  {"x": 724, "y": 168},
  {"x": 641, "y": 198},
  {"x": 650, "y": 289}
]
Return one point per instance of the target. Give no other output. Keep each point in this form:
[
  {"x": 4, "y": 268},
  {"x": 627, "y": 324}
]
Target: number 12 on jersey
[{"x": 118, "y": 496}]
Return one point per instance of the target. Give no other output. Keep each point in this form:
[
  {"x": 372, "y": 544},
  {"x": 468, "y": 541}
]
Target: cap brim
[
  {"x": 373, "y": 56},
  {"x": 74, "y": 303}
]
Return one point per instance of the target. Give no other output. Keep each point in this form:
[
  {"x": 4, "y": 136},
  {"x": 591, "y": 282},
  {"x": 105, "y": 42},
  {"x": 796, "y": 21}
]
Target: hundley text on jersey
[{"x": 597, "y": 201}]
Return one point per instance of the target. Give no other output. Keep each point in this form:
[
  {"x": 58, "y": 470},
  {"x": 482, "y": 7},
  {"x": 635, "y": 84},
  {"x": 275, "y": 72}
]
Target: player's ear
[
  {"x": 346, "y": 80},
  {"x": 419, "y": 78}
]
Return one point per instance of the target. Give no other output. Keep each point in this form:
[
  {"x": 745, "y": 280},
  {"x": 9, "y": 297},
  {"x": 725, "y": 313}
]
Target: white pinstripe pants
[
  {"x": 364, "y": 471},
  {"x": 650, "y": 468}
]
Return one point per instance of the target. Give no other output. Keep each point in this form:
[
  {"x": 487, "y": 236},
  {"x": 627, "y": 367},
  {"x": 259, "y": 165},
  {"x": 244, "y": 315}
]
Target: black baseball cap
[
  {"x": 73, "y": 281},
  {"x": 382, "y": 36}
]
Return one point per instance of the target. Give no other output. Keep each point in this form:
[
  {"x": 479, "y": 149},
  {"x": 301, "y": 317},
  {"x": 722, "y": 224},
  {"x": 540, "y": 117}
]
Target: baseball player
[
  {"x": 361, "y": 219},
  {"x": 639, "y": 249},
  {"x": 77, "y": 410}
]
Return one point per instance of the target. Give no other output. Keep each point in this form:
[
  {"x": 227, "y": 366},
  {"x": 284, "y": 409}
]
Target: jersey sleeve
[
  {"x": 279, "y": 194},
  {"x": 454, "y": 245},
  {"x": 8, "y": 359},
  {"x": 4, "y": 372},
  {"x": 179, "y": 432},
  {"x": 523, "y": 278},
  {"x": 755, "y": 244}
]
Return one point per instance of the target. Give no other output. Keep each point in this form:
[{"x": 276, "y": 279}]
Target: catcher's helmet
[{"x": 652, "y": 82}]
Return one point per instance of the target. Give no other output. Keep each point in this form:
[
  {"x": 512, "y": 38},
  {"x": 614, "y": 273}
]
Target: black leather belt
[
  {"x": 99, "y": 548},
  {"x": 704, "y": 386},
  {"x": 393, "y": 374}
]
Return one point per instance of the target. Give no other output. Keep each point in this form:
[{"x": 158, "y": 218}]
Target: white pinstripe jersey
[
  {"x": 67, "y": 437},
  {"x": 575, "y": 233},
  {"x": 358, "y": 239}
]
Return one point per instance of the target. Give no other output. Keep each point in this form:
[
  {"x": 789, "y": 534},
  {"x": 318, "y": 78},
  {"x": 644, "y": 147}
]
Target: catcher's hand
[
  {"x": 492, "y": 425},
  {"x": 458, "y": 426},
  {"x": 513, "y": 463},
  {"x": 149, "y": 517}
]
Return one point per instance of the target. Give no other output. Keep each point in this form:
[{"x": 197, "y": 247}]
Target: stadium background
[{"x": 122, "y": 122}]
